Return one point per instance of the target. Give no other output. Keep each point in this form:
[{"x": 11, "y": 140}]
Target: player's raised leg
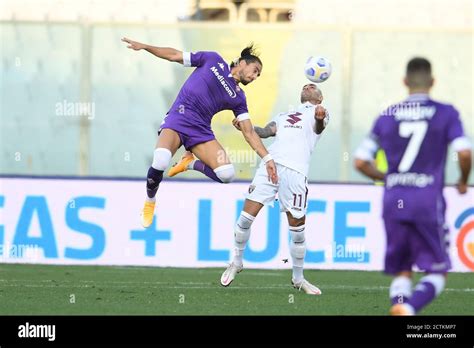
[
  {"x": 167, "y": 145},
  {"x": 186, "y": 162},
  {"x": 431, "y": 243},
  {"x": 213, "y": 161},
  {"x": 298, "y": 253},
  {"x": 427, "y": 289},
  {"x": 241, "y": 237}
]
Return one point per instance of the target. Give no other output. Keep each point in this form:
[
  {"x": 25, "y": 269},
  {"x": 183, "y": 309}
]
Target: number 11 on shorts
[{"x": 298, "y": 198}]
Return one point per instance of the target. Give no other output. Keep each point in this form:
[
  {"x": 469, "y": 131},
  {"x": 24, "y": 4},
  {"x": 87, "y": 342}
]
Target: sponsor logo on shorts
[
  {"x": 438, "y": 266},
  {"x": 251, "y": 188}
]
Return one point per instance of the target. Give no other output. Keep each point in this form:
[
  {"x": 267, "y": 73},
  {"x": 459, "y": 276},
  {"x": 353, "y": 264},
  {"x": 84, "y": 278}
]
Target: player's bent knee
[
  {"x": 297, "y": 237},
  {"x": 245, "y": 220},
  {"x": 225, "y": 173},
  {"x": 296, "y": 219},
  {"x": 297, "y": 234},
  {"x": 161, "y": 158}
]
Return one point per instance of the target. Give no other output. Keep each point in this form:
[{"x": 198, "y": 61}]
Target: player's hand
[
  {"x": 320, "y": 113},
  {"x": 272, "y": 172},
  {"x": 134, "y": 45},
  {"x": 462, "y": 187},
  {"x": 236, "y": 123}
]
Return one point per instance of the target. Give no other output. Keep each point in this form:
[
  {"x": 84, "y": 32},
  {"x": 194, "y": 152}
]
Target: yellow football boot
[
  {"x": 147, "y": 214},
  {"x": 182, "y": 165}
]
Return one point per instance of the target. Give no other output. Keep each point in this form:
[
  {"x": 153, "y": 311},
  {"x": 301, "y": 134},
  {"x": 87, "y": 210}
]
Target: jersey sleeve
[
  {"x": 370, "y": 145},
  {"x": 241, "y": 110},
  {"x": 376, "y": 129},
  {"x": 199, "y": 58},
  {"x": 455, "y": 133},
  {"x": 276, "y": 119}
]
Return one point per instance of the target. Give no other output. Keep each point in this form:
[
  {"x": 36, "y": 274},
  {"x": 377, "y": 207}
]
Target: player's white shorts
[{"x": 292, "y": 190}]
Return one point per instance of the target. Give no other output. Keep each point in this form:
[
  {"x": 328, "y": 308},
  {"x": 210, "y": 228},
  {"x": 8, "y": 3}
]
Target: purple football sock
[
  {"x": 425, "y": 292},
  {"x": 153, "y": 180},
  {"x": 206, "y": 170}
]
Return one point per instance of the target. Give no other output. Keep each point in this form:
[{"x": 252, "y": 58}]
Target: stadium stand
[{"x": 45, "y": 62}]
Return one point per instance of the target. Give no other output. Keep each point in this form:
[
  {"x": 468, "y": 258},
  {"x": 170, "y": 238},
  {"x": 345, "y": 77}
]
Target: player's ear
[
  {"x": 405, "y": 81},
  {"x": 432, "y": 82}
]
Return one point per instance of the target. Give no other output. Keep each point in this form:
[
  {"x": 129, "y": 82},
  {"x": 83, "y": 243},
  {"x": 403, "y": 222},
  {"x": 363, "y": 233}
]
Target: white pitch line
[
  {"x": 99, "y": 282},
  {"x": 266, "y": 274},
  {"x": 188, "y": 285}
]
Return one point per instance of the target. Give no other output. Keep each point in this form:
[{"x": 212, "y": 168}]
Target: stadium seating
[
  {"x": 38, "y": 72},
  {"x": 45, "y": 63}
]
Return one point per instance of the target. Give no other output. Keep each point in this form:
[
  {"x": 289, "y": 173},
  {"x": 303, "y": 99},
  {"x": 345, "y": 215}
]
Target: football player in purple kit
[
  {"x": 212, "y": 87},
  {"x": 415, "y": 135}
]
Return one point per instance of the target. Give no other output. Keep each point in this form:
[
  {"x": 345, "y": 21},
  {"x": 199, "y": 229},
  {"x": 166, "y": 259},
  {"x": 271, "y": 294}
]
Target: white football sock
[
  {"x": 297, "y": 251},
  {"x": 400, "y": 288},
  {"x": 191, "y": 165},
  {"x": 241, "y": 236}
]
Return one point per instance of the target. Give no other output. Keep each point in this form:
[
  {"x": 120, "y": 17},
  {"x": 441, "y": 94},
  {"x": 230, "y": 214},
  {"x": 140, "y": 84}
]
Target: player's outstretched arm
[
  {"x": 321, "y": 116},
  {"x": 465, "y": 160},
  {"x": 269, "y": 130},
  {"x": 167, "y": 53},
  {"x": 256, "y": 143}
]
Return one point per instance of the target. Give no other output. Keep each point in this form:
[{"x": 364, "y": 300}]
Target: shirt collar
[{"x": 418, "y": 96}]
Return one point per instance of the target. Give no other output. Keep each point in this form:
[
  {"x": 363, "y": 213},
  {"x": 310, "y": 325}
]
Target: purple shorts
[
  {"x": 421, "y": 243},
  {"x": 191, "y": 133}
]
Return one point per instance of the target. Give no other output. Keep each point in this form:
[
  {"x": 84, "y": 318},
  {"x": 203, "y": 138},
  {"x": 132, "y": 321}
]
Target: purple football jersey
[
  {"x": 208, "y": 90},
  {"x": 415, "y": 135}
]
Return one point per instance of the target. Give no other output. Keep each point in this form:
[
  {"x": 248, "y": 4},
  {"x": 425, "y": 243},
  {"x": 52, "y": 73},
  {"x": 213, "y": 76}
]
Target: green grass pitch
[{"x": 108, "y": 290}]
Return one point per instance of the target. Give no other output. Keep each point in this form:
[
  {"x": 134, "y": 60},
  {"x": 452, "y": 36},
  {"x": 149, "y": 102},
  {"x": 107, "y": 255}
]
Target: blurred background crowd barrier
[{"x": 75, "y": 101}]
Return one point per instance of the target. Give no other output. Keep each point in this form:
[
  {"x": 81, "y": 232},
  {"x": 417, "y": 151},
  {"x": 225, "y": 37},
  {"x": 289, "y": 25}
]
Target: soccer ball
[{"x": 317, "y": 69}]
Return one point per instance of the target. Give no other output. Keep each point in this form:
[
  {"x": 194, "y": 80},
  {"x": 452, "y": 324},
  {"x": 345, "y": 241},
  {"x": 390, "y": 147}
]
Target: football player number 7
[{"x": 416, "y": 131}]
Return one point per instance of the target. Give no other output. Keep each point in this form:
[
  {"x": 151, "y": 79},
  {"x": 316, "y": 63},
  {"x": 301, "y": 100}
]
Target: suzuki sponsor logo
[{"x": 293, "y": 118}]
